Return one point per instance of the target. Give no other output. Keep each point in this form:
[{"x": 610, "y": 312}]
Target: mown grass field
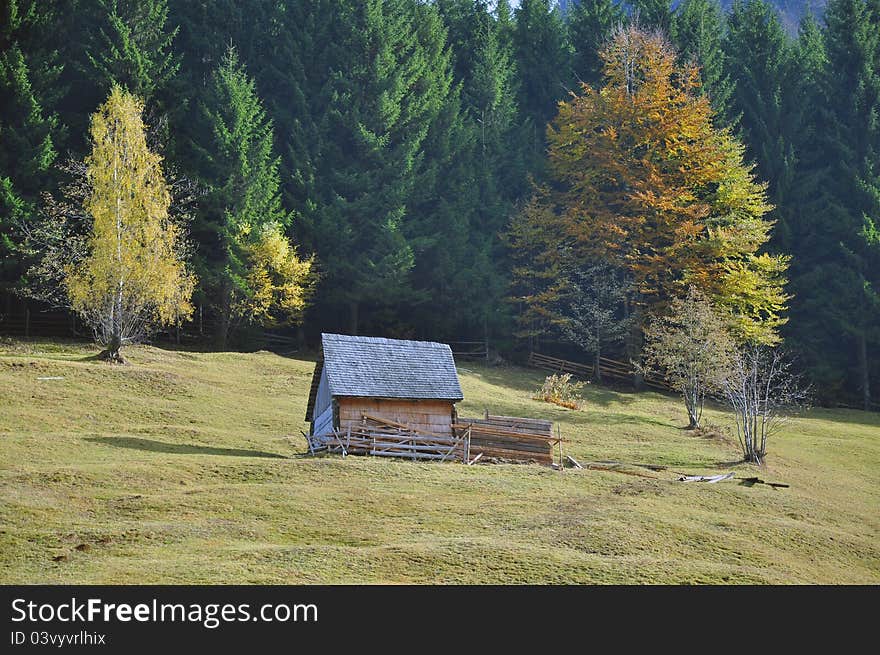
[{"x": 174, "y": 469}]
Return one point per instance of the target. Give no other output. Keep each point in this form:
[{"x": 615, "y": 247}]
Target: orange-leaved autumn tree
[{"x": 641, "y": 179}]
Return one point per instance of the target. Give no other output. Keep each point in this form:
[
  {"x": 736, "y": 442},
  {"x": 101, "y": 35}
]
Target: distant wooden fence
[
  {"x": 41, "y": 324},
  {"x": 281, "y": 343},
  {"x": 469, "y": 349},
  {"x": 609, "y": 368}
]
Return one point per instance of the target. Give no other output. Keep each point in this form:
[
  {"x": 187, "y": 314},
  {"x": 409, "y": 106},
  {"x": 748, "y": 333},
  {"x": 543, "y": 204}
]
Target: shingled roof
[{"x": 373, "y": 367}]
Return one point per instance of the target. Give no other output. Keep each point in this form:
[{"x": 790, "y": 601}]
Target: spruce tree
[
  {"x": 590, "y": 23},
  {"x": 543, "y": 61},
  {"x": 759, "y": 57},
  {"x": 482, "y": 181},
  {"x": 385, "y": 86},
  {"x": 837, "y": 282},
  {"x": 652, "y": 14},
  {"x": 697, "y": 29},
  {"x": 132, "y": 46},
  {"x": 249, "y": 272},
  {"x": 29, "y": 128}
]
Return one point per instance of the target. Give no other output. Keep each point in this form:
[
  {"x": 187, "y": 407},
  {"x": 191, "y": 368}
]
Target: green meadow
[{"x": 189, "y": 467}]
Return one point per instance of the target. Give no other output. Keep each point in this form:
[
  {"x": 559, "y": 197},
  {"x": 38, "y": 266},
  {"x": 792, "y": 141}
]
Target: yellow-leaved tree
[
  {"x": 133, "y": 278},
  {"x": 641, "y": 179}
]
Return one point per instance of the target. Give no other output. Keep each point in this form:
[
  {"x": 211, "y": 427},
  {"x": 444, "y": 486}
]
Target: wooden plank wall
[
  {"x": 323, "y": 422},
  {"x": 428, "y": 415},
  {"x": 322, "y": 397}
]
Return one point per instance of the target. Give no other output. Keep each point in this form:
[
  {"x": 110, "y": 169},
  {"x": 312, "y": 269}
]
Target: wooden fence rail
[
  {"x": 469, "y": 349},
  {"x": 609, "y": 368},
  {"x": 505, "y": 438}
]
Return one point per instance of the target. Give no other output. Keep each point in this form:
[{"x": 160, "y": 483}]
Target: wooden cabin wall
[
  {"x": 323, "y": 400},
  {"x": 323, "y": 423},
  {"x": 428, "y": 415}
]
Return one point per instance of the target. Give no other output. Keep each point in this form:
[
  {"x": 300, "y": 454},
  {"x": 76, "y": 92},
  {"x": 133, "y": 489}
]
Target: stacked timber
[
  {"x": 498, "y": 438},
  {"x": 384, "y": 438},
  {"x": 509, "y": 438}
]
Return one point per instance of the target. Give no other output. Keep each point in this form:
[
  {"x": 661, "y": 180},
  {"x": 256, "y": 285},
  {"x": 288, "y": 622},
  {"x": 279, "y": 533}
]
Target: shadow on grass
[
  {"x": 136, "y": 443},
  {"x": 207, "y": 346},
  {"x": 95, "y": 357},
  {"x": 843, "y": 415},
  {"x": 616, "y": 418}
]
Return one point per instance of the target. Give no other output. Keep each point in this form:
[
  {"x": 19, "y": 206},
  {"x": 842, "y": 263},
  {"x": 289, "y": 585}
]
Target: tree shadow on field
[{"x": 149, "y": 445}]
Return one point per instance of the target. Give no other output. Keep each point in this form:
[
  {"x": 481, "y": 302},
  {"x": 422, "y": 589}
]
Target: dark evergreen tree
[
  {"x": 808, "y": 64},
  {"x": 759, "y": 58},
  {"x": 242, "y": 215},
  {"x": 505, "y": 21},
  {"x": 131, "y": 46},
  {"x": 385, "y": 87},
  {"x": 590, "y": 23},
  {"x": 482, "y": 179},
  {"x": 29, "y": 128},
  {"x": 543, "y": 61},
  {"x": 836, "y": 320},
  {"x": 697, "y": 29},
  {"x": 652, "y": 14}
]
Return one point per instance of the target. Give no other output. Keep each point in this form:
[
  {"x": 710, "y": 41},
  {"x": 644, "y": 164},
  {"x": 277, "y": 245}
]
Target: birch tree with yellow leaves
[{"x": 133, "y": 277}]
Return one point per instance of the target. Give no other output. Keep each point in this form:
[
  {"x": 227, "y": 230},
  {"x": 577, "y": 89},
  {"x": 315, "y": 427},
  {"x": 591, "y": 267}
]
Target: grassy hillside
[{"x": 174, "y": 469}]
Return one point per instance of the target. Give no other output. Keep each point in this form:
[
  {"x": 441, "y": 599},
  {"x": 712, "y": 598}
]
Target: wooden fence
[
  {"x": 609, "y": 368},
  {"x": 509, "y": 438},
  {"x": 384, "y": 438},
  {"x": 469, "y": 349},
  {"x": 41, "y": 324},
  {"x": 500, "y": 438}
]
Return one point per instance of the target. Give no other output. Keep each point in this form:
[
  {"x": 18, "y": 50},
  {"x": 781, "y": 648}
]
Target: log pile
[
  {"x": 492, "y": 438},
  {"x": 509, "y": 438},
  {"x": 384, "y": 438}
]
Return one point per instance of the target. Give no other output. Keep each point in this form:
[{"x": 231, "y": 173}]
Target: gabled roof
[{"x": 373, "y": 367}]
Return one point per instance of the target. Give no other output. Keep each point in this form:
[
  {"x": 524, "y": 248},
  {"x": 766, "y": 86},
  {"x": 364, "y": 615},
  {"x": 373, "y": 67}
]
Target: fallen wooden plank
[
  {"x": 519, "y": 419},
  {"x": 711, "y": 479},
  {"x": 341, "y": 445},
  {"x": 475, "y": 460},
  {"x": 308, "y": 441},
  {"x": 573, "y": 462}
]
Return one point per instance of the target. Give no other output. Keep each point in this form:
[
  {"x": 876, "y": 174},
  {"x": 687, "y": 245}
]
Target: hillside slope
[{"x": 174, "y": 470}]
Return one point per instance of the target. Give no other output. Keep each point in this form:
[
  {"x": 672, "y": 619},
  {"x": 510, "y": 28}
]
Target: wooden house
[{"x": 409, "y": 382}]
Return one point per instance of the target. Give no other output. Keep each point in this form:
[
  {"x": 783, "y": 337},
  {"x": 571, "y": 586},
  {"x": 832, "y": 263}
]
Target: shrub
[{"x": 560, "y": 390}]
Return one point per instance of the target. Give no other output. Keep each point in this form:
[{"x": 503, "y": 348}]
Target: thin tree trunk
[
  {"x": 221, "y": 334},
  {"x": 353, "y": 309},
  {"x": 693, "y": 420},
  {"x": 865, "y": 373},
  {"x": 634, "y": 344}
]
